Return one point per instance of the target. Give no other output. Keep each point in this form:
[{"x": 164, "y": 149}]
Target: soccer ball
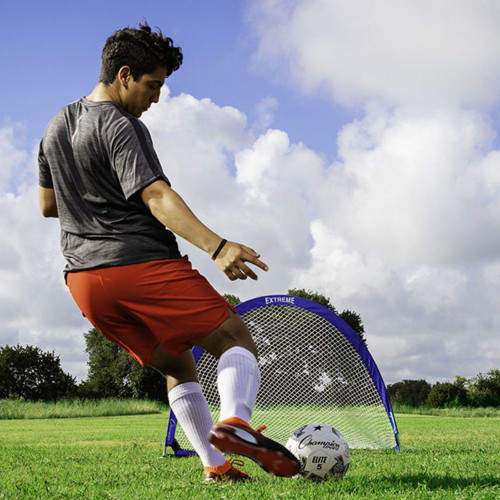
[{"x": 322, "y": 451}]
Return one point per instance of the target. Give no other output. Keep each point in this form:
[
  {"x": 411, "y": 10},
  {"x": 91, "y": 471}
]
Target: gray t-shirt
[{"x": 98, "y": 158}]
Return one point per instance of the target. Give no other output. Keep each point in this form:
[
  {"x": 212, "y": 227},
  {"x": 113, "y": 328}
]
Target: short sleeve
[
  {"x": 133, "y": 157},
  {"x": 44, "y": 175}
]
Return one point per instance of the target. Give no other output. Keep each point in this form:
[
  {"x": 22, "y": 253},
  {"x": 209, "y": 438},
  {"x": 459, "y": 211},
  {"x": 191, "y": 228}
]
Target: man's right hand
[{"x": 232, "y": 261}]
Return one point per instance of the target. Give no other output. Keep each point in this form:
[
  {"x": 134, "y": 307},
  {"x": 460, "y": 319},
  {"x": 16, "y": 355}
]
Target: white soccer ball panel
[
  {"x": 321, "y": 449},
  {"x": 291, "y": 445},
  {"x": 319, "y": 462}
]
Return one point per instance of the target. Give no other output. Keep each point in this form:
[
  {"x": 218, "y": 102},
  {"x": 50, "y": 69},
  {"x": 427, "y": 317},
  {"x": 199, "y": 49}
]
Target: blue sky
[
  {"x": 354, "y": 144},
  {"x": 52, "y": 50}
]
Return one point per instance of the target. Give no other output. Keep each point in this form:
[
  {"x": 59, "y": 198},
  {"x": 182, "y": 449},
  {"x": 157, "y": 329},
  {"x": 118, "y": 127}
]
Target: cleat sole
[{"x": 274, "y": 458}]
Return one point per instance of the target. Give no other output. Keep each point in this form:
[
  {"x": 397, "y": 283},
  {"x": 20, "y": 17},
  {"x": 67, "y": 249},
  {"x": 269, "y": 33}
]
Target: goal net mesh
[{"x": 310, "y": 373}]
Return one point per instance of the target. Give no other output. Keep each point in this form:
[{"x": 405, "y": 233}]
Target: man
[{"x": 99, "y": 174}]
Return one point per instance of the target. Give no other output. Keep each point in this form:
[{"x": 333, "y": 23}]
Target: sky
[{"x": 353, "y": 144}]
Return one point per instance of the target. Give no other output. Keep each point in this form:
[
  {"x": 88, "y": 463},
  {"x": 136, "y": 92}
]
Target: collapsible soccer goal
[{"x": 314, "y": 368}]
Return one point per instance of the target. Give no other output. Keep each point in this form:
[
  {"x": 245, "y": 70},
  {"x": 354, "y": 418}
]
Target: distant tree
[
  {"x": 108, "y": 367},
  {"x": 409, "y": 392},
  {"x": 352, "y": 318},
  {"x": 484, "y": 390},
  {"x": 448, "y": 394},
  {"x": 30, "y": 373},
  {"x": 146, "y": 383},
  {"x": 113, "y": 373},
  {"x": 232, "y": 299},
  {"x": 314, "y": 296}
]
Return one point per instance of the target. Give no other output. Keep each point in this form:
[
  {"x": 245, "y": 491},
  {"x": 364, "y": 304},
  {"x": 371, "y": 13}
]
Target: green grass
[
  {"x": 118, "y": 458},
  {"x": 448, "y": 412},
  {"x": 20, "y": 409}
]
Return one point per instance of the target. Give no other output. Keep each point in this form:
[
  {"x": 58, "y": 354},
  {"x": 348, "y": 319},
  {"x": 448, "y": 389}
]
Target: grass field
[
  {"x": 448, "y": 412},
  {"x": 20, "y": 409},
  {"x": 118, "y": 458}
]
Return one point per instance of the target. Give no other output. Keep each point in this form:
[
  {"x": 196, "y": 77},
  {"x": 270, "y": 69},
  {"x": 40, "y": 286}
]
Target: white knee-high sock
[
  {"x": 238, "y": 380},
  {"x": 191, "y": 409}
]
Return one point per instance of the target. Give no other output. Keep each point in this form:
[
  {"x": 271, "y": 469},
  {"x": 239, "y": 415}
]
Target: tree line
[
  {"x": 483, "y": 390},
  {"x": 30, "y": 373}
]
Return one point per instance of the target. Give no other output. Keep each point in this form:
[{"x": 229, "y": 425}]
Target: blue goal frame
[{"x": 323, "y": 312}]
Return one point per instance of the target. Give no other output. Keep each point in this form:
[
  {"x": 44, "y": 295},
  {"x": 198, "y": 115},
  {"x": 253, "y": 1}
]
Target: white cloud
[
  {"x": 393, "y": 51},
  {"x": 265, "y": 112},
  {"x": 407, "y": 232},
  {"x": 196, "y": 141},
  {"x": 340, "y": 271},
  {"x": 420, "y": 321},
  {"x": 11, "y": 157},
  {"x": 435, "y": 290},
  {"x": 35, "y": 307},
  {"x": 259, "y": 191},
  {"x": 416, "y": 188}
]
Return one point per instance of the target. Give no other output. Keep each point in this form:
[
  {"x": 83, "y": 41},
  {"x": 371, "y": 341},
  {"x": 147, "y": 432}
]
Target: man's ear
[{"x": 124, "y": 75}]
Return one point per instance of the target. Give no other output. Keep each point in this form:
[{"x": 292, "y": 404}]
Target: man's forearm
[{"x": 172, "y": 211}]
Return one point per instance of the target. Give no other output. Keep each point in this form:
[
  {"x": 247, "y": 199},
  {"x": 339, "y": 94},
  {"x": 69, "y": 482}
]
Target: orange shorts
[{"x": 142, "y": 306}]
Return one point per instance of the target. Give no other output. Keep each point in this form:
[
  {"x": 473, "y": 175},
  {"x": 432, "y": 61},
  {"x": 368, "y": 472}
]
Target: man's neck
[{"x": 104, "y": 93}]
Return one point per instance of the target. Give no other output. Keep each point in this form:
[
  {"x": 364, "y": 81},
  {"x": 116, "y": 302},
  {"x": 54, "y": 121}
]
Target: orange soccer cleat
[
  {"x": 234, "y": 435},
  {"x": 226, "y": 472}
]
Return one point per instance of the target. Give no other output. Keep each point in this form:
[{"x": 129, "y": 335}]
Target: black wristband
[{"x": 219, "y": 248}]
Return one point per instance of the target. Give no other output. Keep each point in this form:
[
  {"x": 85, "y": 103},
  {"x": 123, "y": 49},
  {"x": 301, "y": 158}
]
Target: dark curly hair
[{"x": 141, "y": 49}]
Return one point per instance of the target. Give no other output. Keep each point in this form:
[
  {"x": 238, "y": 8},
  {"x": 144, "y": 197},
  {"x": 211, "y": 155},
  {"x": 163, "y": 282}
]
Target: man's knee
[
  {"x": 181, "y": 367},
  {"x": 231, "y": 333}
]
